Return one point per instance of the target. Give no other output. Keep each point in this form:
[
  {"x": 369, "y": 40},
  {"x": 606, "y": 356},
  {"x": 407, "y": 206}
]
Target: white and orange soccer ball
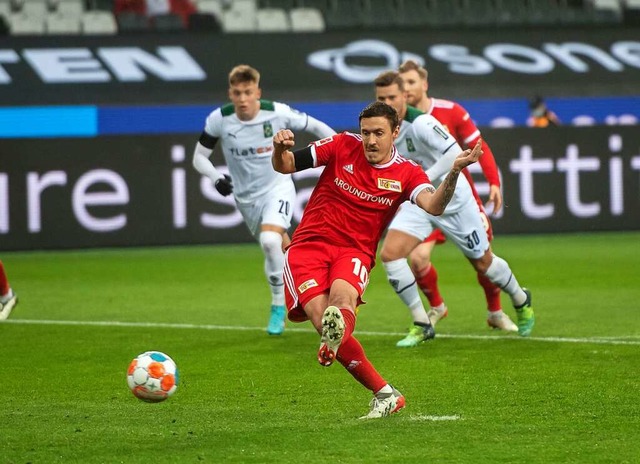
[{"x": 152, "y": 376}]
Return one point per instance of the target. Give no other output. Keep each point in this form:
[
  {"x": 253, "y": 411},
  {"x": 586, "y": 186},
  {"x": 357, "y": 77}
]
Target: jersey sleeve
[
  {"x": 464, "y": 129},
  {"x": 293, "y": 119},
  {"x": 213, "y": 124},
  {"x": 324, "y": 150},
  {"x": 468, "y": 133},
  {"x": 417, "y": 182}
]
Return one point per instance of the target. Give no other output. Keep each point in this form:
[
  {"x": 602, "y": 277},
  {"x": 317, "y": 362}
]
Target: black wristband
[{"x": 303, "y": 158}]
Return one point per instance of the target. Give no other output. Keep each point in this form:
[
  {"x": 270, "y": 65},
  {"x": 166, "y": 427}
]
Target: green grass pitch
[{"x": 570, "y": 393}]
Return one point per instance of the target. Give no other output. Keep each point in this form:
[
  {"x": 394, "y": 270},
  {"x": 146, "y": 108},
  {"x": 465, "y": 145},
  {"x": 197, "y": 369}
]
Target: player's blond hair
[
  {"x": 411, "y": 65},
  {"x": 244, "y": 73},
  {"x": 387, "y": 78}
]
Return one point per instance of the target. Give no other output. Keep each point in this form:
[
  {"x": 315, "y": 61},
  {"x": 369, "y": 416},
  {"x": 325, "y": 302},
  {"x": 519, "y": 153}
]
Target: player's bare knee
[{"x": 482, "y": 264}]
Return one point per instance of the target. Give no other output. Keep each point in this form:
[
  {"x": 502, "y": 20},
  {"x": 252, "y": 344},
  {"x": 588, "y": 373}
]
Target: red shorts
[
  {"x": 438, "y": 236},
  {"x": 311, "y": 267}
]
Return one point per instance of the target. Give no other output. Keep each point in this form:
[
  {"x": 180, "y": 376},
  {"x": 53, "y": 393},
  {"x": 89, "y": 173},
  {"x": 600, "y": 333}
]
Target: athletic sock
[
  {"x": 491, "y": 293},
  {"x": 271, "y": 244},
  {"x": 404, "y": 283},
  {"x": 428, "y": 283},
  {"x": 500, "y": 274},
  {"x": 4, "y": 282},
  {"x": 352, "y": 357},
  {"x": 349, "y": 323}
]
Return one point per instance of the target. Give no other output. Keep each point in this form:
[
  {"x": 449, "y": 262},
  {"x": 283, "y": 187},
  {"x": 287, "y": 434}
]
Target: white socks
[
  {"x": 404, "y": 283},
  {"x": 271, "y": 244},
  {"x": 500, "y": 274}
]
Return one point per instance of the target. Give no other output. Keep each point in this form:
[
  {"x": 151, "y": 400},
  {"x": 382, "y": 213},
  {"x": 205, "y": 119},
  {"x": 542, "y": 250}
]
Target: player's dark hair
[
  {"x": 411, "y": 65},
  {"x": 377, "y": 109},
  {"x": 243, "y": 73},
  {"x": 387, "y": 78}
]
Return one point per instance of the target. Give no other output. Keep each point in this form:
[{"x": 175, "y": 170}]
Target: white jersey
[
  {"x": 247, "y": 146},
  {"x": 424, "y": 140}
]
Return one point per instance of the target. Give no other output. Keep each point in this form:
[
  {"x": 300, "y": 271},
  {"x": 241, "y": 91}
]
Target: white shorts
[
  {"x": 464, "y": 227},
  {"x": 275, "y": 208}
]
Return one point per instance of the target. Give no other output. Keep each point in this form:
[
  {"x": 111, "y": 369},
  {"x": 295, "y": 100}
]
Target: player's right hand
[
  {"x": 283, "y": 140},
  {"x": 224, "y": 185}
]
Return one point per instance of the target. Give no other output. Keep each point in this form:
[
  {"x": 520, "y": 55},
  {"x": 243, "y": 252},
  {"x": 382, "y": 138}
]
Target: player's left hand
[
  {"x": 494, "y": 204},
  {"x": 468, "y": 157}
]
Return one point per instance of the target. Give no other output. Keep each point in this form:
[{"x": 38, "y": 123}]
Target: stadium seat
[
  {"x": 238, "y": 21},
  {"x": 98, "y": 23},
  {"x": 5, "y": 8},
  {"x": 204, "y": 22},
  {"x": 607, "y": 11},
  {"x": 168, "y": 23},
  {"x": 306, "y": 20},
  {"x": 246, "y": 6},
  {"x": 132, "y": 23},
  {"x": 213, "y": 7},
  {"x": 34, "y": 8},
  {"x": 272, "y": 20},
  {"x": 57, "y": 23},
  {"x": 73, "y": 8},
  {"x": 632, "y": 12},
  {"x": 23, "y": 24}
]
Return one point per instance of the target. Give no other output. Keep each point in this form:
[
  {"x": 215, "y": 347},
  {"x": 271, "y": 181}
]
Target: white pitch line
[
  {"x": 623, "y": 340},
  {"x": 425, "y": 417}
]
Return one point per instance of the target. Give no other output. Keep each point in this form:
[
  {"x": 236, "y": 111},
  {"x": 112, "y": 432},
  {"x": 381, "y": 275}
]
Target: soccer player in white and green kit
[
  {"x": 265, "y": 198},
  {"x": 424, "y": 140}
]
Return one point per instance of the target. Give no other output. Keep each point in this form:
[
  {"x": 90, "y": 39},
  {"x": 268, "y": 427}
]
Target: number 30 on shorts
[{"x": 361, "y": 272}]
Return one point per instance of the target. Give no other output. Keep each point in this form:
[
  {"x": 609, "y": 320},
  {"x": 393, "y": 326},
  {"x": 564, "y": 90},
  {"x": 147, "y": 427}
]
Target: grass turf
[{"x": 248, "y": 397}]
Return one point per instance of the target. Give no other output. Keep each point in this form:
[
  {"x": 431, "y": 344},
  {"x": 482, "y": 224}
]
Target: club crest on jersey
[
  {"x": 389, "y": 184},
  {"x": 267, "y": 128},
  {"x": 410, "y": 145},
  {"x": 307, "y": 285}
]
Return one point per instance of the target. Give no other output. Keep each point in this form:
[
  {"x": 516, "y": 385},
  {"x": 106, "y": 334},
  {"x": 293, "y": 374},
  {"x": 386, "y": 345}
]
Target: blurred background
[{"x": 102, "y": 102}]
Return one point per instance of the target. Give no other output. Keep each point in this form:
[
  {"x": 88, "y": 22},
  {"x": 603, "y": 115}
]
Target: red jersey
[
  {"x": 354, "y": 201},
  {"x": 459, "y": 124}
]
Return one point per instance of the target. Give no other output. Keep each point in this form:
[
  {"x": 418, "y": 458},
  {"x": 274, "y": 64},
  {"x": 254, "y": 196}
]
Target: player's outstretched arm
[
  {"x": 434, "y": 201},
  {"x": 282, "y": 159}
]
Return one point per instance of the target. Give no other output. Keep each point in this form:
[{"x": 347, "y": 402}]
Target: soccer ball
[{"x": 152, "y": 376}]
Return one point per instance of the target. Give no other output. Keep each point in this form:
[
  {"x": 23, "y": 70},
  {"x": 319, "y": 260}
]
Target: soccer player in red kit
[
  {"x": 333, "y": 250},
  {"x": 457, "y": 120},
  {"x": 8, "y": 299}
]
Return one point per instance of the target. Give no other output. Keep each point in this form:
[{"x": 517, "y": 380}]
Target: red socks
[
  {"x": 349, "y": 322},
  {"x": 4, "y": 283},
  {"x": 491, "y": 292},
  {"x": 351, "y": 356},
  {"x": 428, "y": 283}
]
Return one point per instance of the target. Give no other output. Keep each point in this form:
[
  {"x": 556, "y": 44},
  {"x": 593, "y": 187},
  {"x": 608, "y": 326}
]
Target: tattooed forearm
[
  {"x": 448, "y": 187},
  {"x": 434, "y": 201}
]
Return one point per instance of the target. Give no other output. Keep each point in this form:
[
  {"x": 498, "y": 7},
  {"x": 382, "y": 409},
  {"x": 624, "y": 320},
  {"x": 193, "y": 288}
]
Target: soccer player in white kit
[
  {"x": 423, "y": 139},
  {"x": 265, "y": 198}
]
